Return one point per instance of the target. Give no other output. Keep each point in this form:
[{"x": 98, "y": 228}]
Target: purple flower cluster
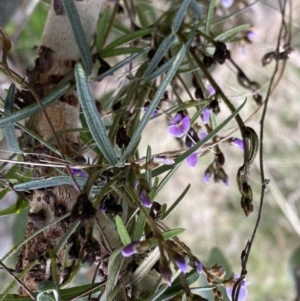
[{"x": 180, "y": 126}]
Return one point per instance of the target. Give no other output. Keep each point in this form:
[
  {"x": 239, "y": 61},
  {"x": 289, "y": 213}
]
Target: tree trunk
[{"x": 57, "y": 55}]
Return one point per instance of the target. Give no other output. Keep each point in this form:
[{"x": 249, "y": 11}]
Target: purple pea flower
[
  {"x": 243, "y": 290},
  {"x": 205, "y": 115},
  {"x": 179, "y": 125},
  {"x": 199, "y": 267},
  {"x": 182, "y": 265},
  {"x": 238, "y": 143},
  {"x": 130, "y": 249},
  {"x": 77, "y": 172},
  {"x": 192, "y": 160},
  {"x": 211, "y": 90},
  {"x": 145, "y": 199}
]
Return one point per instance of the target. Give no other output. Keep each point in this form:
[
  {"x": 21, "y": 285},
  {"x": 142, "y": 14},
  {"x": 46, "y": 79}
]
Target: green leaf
[
  {"x": 172, "y": 233},
  {"x": 128, "y": 37},
  {"x": 124, "y": 236},
  {"x": 196, "y": 8},
  {"x": 224, "y": 36},
  {"x": 14, "y": 209},
  {"x": 156, "y": 99},
  {"x": 79, "y": 35},
  {"x": 161, "y": 70},
  {"x": 156, "y": 172},
  {"x": 209, "y": 16},
  {"x": 139, "y": 227},
  {"x": 66, "y": 294},
  {"x": 92, "y": 117},
  {"x": 119, "y": 66},
  {"x": 34, "y": 108},
  {"x": 172, "y": 207},
  {"x": 53, "y": 181},
  {"x": 46, "y": 287},
  {"x": 9, "y": 129},
  {"x": 114, "y": 267},
  {"x": 120, "y": 51},
  {"x": 159, "y": 54},
  {"x": 180, "y": 14},
  {"x": 102, "y": 29}
]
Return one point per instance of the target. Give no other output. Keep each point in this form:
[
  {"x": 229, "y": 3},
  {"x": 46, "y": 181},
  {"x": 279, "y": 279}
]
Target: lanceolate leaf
[
  {"x": 209, "y": 16},
  {"x": 92, "y": 116},
  {"x": 44, "y": 183},
  {"x": 79, "y": 35},
  {"x": 180, "y": 14},
  {"x": 35, "y": 108},
  {"x": 9, "y": 129},
  {"x": 128, "y": 37},
  {"x": 102, "y": 29},
  {"x": 159, "y": 54}
]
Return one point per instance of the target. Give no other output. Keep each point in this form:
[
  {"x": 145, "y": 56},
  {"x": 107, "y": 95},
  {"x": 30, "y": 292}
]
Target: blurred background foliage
[{"x": 216, "y": 227}]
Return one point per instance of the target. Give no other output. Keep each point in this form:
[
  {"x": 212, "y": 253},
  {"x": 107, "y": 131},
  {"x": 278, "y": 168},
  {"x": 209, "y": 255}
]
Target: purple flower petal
[
  {"x": 77, "y": 172},
  {"x": 251, "y": 34},
  {"x": 206, "y": 177},
  {"x": 211, "y": 90},
  {"x": 192, "y": 160},
  {"x": 145, "y": 200},
  {"x": 185, "y": 124},
  {"x": 182, "y": 265},
  {"x": 199, "y": 267},
  {"x": 202, "y": 135},
  {"x": 238, "y": 143},
  {"x": 177, "y": 119},
  {"x": 205, "y": 115},
  {"x": 242, "y": 295},
  {"x": 175, "y": 131},
  {"x": 130, "y": 249}
]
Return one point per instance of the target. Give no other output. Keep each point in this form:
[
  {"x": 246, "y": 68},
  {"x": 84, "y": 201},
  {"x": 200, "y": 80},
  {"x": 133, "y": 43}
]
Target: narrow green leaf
[
  {"x": 79, "y": 35},
  {"x": 209, "y": 16},
  {"x": 224, "y": 36},
  {"x": 120, "y": 51},
  {"x": 148, "y": 171},
  {"x": 119, "y": 65},
  {"x": 161, "y": 70},
  {"x": 102, "y": 29},
  {"x": 128, "y": 37},
  {"x": 139, "y": 227},
  {"x": 159, "y": 54},
  {"x": 179, "y": 16},
  {"x": 66, "y": 294},
  {"x": 172, "y": 233},
  {"x": 9, "y": 129},
  {"x": 172, "y": 207},
  {"x": 114, "y": 267},
  {"x": 156, "y": 99},
  {"x": 196, "y": 8},
  {"x": 144, "y": 267},
  {"x": 46, "y": 287},
  {"x": 66, "y": 236},
  {"x": 92, "y": 117},
  {"x": 156, "y": 172},
  {"x": 17, "y": 208},
  {"x": 34, "y": 108},
  {"x": 53, "y": 181},
  {"x": 124, "y": 236}
]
